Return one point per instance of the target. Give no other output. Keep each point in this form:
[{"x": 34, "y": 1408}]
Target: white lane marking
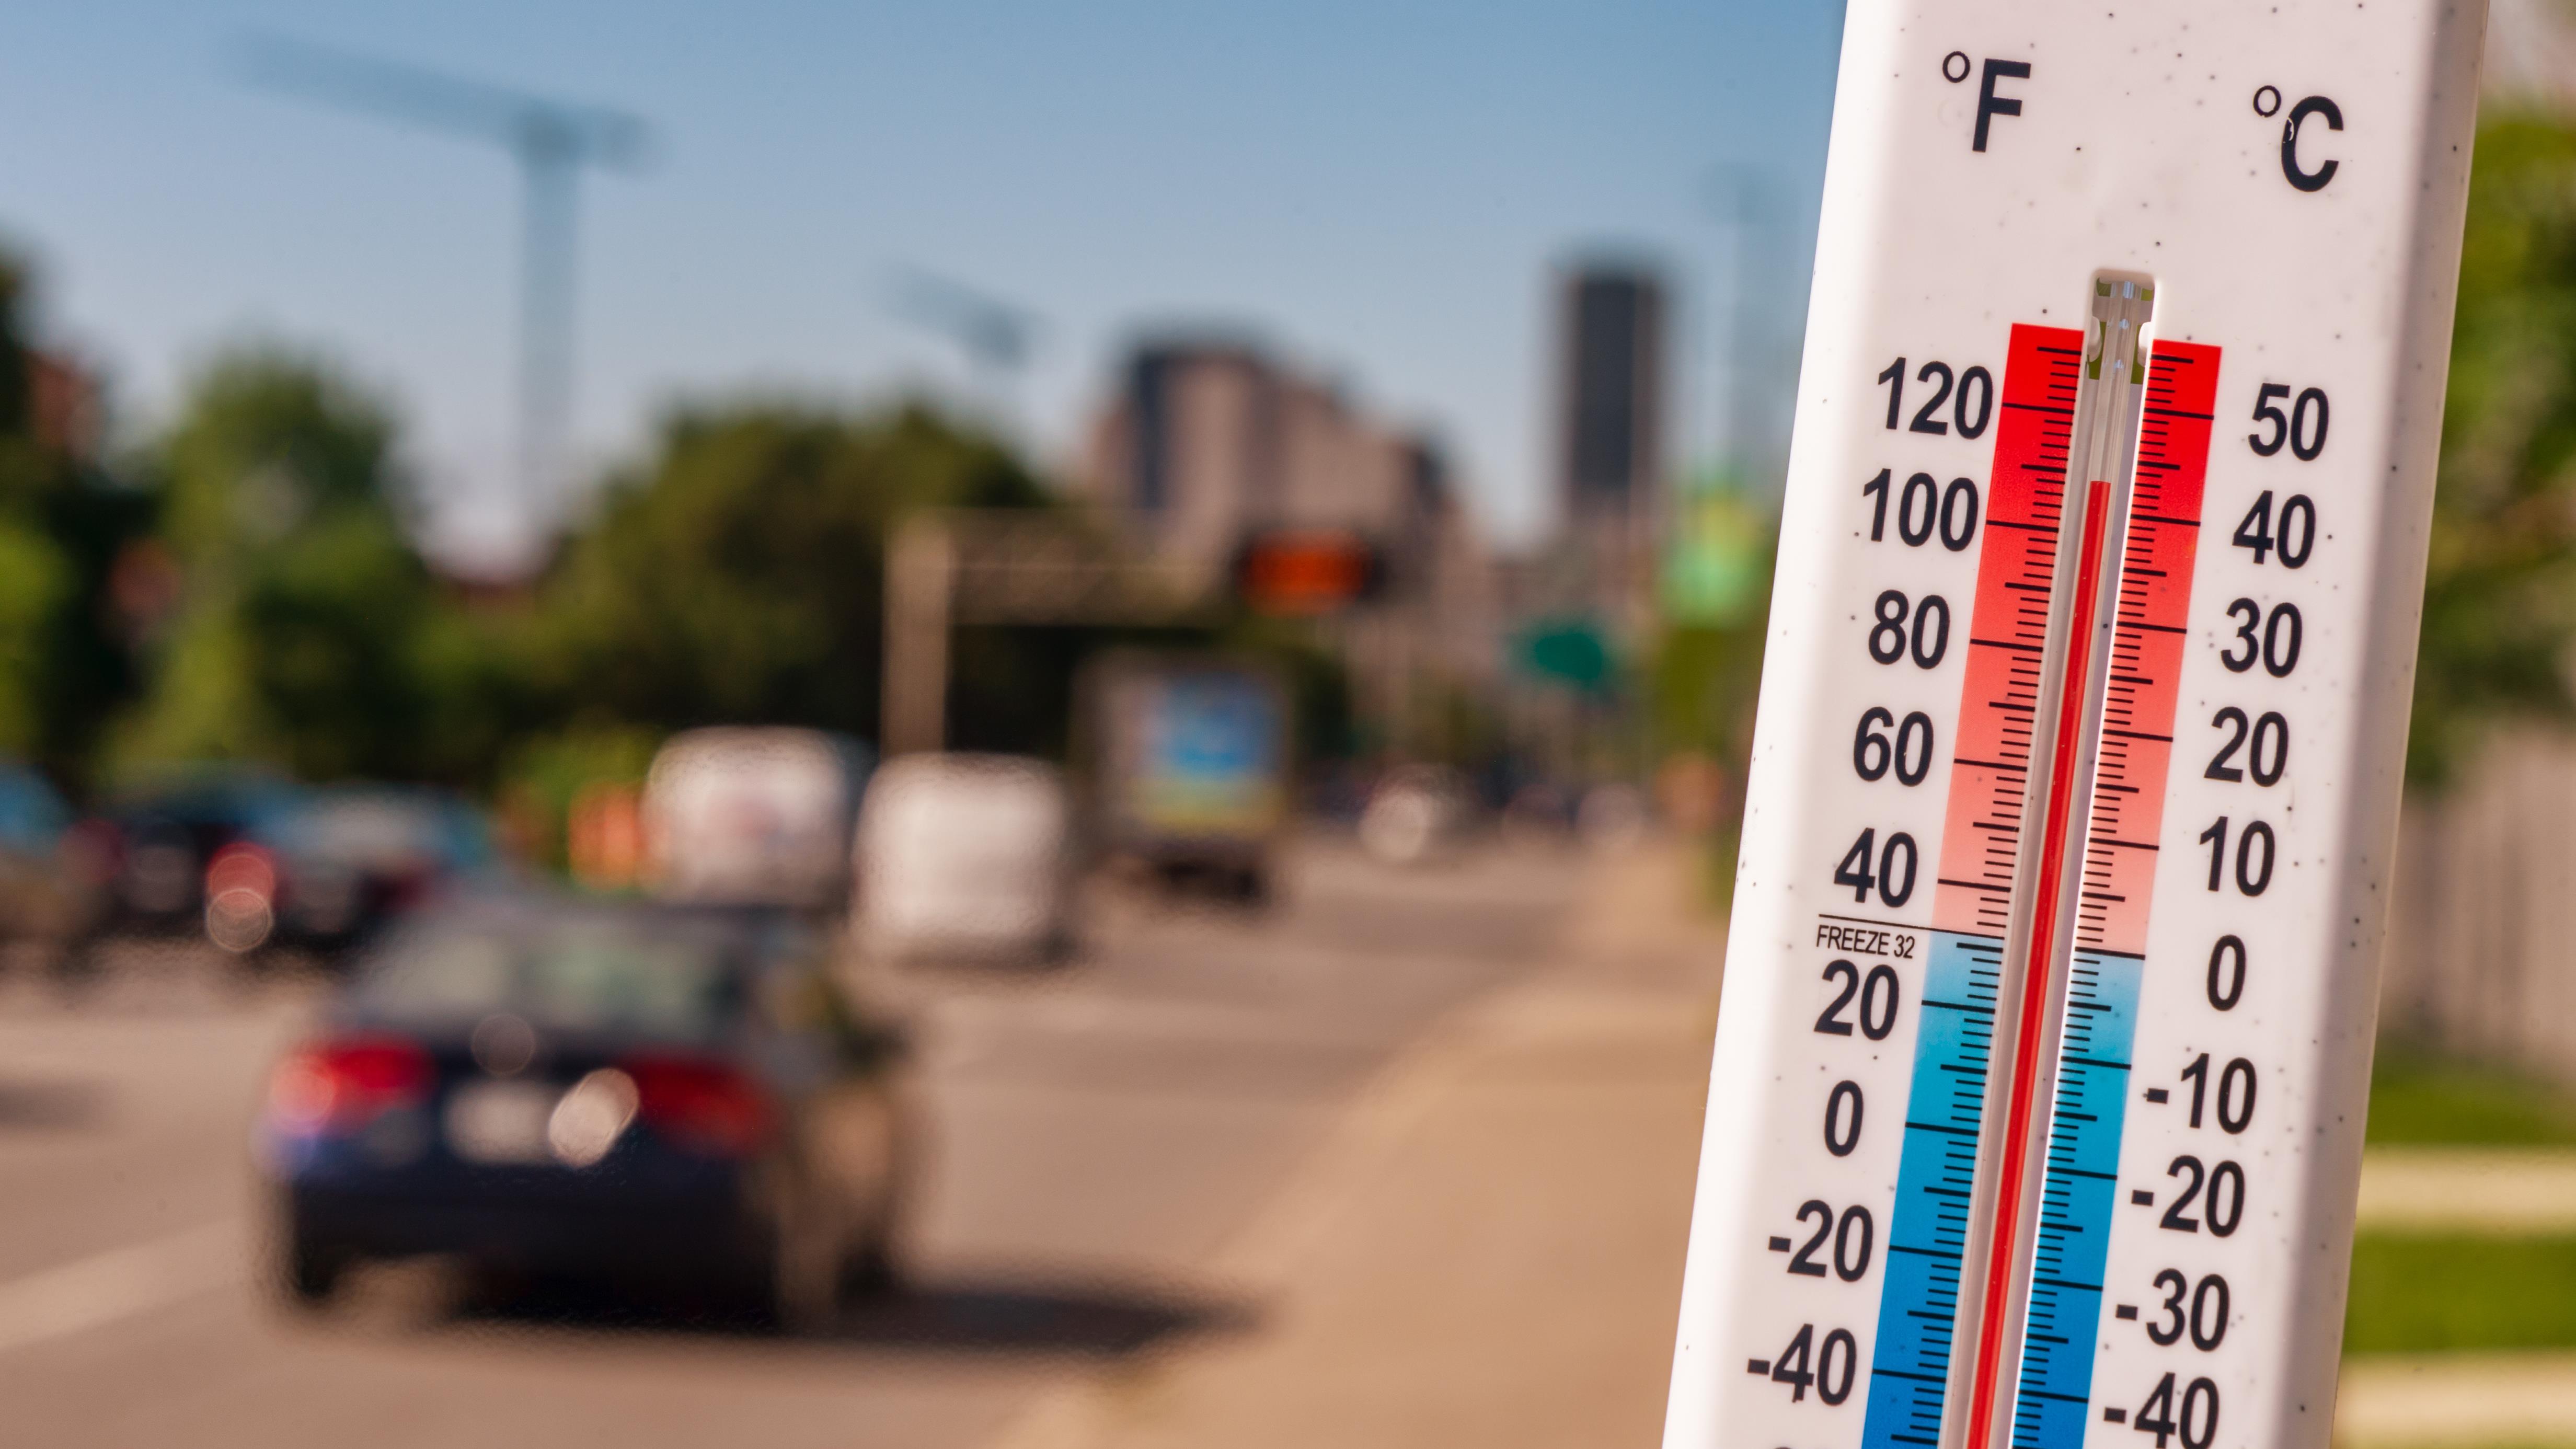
[
  {"x": 966, "y": 1032},
  {"x": 120, "y": 1283},
  {"x": 1123, "y": 1016}
]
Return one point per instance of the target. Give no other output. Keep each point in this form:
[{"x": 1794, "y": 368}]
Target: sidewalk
[{"x": 1488, "y": 1250}]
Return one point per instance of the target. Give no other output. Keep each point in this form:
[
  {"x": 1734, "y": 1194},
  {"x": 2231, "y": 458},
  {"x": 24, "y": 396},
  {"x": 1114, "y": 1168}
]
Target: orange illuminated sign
[{"x": 1307, "y": 571}]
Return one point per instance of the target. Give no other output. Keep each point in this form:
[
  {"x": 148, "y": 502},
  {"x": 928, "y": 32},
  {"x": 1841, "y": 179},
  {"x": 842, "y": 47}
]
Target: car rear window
[{"x": 612, "y": 978}]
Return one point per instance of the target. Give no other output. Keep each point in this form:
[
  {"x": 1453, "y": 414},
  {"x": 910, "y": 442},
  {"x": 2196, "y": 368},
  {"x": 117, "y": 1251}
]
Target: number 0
[
  {"x": 2227, "y": 973},
  {"x": 1842, "y": 1119}
]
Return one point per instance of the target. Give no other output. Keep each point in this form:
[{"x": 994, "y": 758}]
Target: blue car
[
  {"x": 50, "y": 878},
  {"x": 662, "y": 1097}
]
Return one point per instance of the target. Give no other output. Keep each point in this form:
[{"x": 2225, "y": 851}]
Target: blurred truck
[
  {"x": 762, "y": 817},
  {"x": 1189, "y": 767},
  {"x": 966, "y": 857}
]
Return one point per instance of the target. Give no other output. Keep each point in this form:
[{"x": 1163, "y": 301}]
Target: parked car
[
  {"x": 741, "y": 816},
  {"x": 153, "y": 845},
  {"x": 638, "y": 1093},
  {"x": 967, "y": 856},
  {"x": 51, "y": 885},
  {"x": 333, "y": 868},
  {"x": 1418, "y": 813}
]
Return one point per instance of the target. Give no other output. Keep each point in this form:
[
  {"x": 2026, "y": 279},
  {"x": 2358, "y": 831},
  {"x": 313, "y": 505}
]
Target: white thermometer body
[{"x": 2037, "y": 1104}]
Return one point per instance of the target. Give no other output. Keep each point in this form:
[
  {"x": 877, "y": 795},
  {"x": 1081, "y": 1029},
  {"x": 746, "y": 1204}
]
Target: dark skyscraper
[{"x": 1611, "y": 390}]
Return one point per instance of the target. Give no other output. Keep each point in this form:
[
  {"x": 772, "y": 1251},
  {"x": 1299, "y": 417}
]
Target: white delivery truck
[
  {"x": 966, "y": 856},
  {"x": 745, "y": 816}
]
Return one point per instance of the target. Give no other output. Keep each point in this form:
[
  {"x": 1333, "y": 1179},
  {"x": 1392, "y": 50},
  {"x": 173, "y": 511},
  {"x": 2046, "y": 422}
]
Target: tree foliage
[
  {"x": 736, "y": 575},
  {"x": 2500, "y": 595},
  {"x": 739, "y": 576},
  {"x": 309, "y": 626},
  {"x": 64, "y": 664}
]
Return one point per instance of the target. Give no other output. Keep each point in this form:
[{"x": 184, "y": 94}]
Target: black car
[
  {"x": 655, "y": 1096},
  {"x": 325, "y": 874},
  {"x": 153, "y": 846}
]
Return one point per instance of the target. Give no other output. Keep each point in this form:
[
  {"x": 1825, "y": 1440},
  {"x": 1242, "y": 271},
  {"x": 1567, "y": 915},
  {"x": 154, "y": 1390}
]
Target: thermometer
[{"x": 2037, "y": 1106}]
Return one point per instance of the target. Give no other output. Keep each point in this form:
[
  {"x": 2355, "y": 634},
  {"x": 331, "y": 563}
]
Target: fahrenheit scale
[{"x": 2037, "y": 1107}]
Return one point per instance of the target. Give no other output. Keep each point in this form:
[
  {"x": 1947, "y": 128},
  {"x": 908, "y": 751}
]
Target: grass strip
[
  {"x": 2419, "y": 1098},
  {"x": 2428, "y": 1293}
]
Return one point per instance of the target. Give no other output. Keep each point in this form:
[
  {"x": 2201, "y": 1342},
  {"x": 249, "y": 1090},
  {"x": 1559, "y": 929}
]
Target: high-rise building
[
  {"x": 1610, "y": 391},
  {"x": 1611, "y": 364},
  {"x": 1212, "y": 443},
  {"x": 1188, "y": 456}
]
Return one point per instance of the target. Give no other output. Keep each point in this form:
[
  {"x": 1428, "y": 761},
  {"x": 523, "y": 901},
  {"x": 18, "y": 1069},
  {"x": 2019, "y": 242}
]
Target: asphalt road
[{"x": 1100, "y": 1131}]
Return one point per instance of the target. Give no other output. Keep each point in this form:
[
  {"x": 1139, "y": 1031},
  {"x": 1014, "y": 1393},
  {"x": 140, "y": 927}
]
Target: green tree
[
  {"x": 64, "y": 663},
  {"x": 310, "y": 634},
  {"x": 1706, "y": 667},
  {"x": 739, "y": 577},
  {"x": 2500, "y": 595}
]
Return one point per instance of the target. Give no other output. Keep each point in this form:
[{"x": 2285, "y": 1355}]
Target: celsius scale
[{"x": 2036, "y": 1113}]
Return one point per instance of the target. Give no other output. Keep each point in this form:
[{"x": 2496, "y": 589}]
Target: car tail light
[
  {"x": 342, "y": 1085},
  {"x": 242, "y": 868},
  {"x": 241, "y": 897},
  {"x": 409, "y": 889},
  {"x": 701, "y": 1103}
]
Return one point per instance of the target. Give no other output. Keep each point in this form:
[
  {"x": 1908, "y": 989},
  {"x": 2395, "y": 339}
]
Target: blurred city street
[
  {"x": 1032, "y": 729},
  {"x": 1129, "y": 1155}
]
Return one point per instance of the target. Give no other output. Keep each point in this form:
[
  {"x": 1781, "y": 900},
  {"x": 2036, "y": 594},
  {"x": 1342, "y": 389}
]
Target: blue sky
[{"x": 1378, "y": 188}]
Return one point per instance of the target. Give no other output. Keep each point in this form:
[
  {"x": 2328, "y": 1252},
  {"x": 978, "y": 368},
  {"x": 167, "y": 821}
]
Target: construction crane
[
  {"x": 552, "y": 140},
  {"x": 995, "y": 335}
]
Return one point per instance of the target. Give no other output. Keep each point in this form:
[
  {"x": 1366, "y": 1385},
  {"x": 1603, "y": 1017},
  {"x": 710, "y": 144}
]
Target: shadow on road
[
  {"x": 49, "y": 1105},
  {"x": 951, "y": 1317},
  {"x": 1097, "y": 1322}
]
